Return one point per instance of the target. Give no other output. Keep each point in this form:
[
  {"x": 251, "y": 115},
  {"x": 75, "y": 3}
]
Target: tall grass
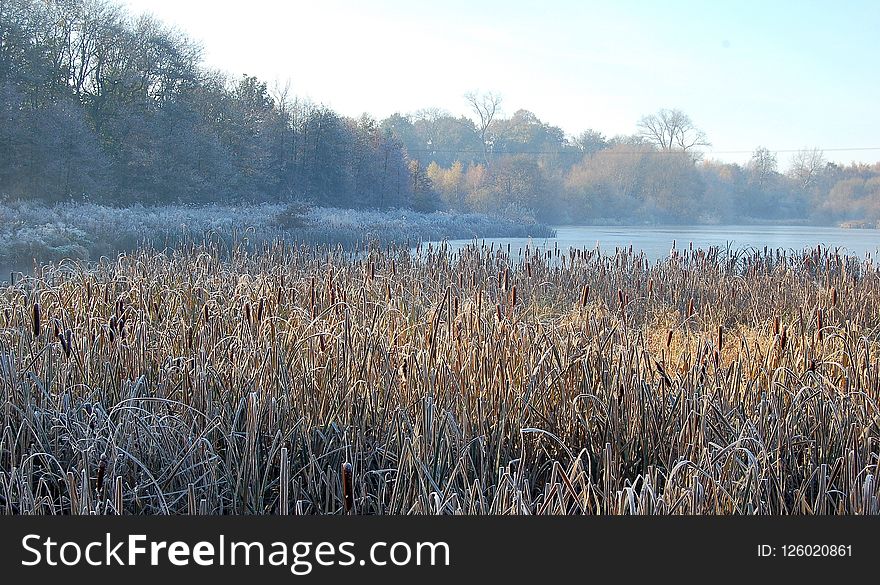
[{"x": 310, "y": 380}]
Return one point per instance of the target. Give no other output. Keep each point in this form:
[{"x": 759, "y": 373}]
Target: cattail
[
  {"x": 669, "y": 338},
  {"x": 720, "y": 337},
  {"x": 585, "y": 295},
  {"x": 776, "y": 325},
  {"x": 498, "y": 312},
  {"x": 833, "y": 296},
  {"x": 529, "y": 269},
  {"x": 102, "y": 468},
  {"x": 620, "y": 297},
  {"x": 67, "y": 342},
  {"x": 260, "y": 309},
  {"x": 513, "y": 296},
  {"x": 347, "y": 492},
  {"x": 690, "y": 307},
  {"x": 650, "y": 286},
  {"x": 37, "y": 319}
]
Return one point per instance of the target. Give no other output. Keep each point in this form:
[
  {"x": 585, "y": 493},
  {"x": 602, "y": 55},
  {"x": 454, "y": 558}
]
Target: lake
[{"x": 656, "y": 241}]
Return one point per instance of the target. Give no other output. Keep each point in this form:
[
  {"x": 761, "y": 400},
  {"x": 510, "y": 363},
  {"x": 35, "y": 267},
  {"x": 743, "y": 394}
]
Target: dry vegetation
[{"x": 316, "y": 381}]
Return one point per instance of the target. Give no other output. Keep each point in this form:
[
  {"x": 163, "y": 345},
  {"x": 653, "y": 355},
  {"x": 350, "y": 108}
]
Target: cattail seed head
[
  {"x": 347, "y": 488},
  {"x": 67, "y": 342},
  {"x": 37, "y": 316},
  {"x": 102, "y": 469}
]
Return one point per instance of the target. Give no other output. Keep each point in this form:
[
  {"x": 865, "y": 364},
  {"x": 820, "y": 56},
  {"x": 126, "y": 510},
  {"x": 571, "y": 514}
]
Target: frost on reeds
[{"x": 309, "y": 380}]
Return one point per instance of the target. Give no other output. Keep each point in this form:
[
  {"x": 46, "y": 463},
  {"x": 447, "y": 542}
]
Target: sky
[{"x": 781, "y": 74}]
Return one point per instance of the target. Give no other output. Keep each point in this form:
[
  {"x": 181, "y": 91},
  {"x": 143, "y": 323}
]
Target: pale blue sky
[{"x": 783, "y": 74}]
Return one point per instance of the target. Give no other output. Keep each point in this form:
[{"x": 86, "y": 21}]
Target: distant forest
[{"x": 100, "y": 105}]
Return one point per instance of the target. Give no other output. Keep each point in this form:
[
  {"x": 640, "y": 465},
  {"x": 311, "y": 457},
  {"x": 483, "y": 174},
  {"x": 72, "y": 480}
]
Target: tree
[
  {"x": 672, "y": 130},
  {"x": 524, "y": 132},
  {"x": 589, "y": 142},
  {"x": 449, "y": 183},
  {"x": 423, "y": 196},
  {"x": 806, "y": 166},
  {"x": 485, "y": 106},
  {"x": 762, "y": 165},
  {"x": 518, "y": 181}
]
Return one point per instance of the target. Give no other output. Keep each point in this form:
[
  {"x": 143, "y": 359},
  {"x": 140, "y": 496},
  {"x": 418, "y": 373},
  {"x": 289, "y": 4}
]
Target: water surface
[{"x": 657, "y": 241}]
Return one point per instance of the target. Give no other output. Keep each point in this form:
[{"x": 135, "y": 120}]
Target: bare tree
[
  {"x": 806, "y": 166},
  {"x": 485, "y": 106},
  {"x": 762, "y": 165},
  {"x": 672, "y": 130}
]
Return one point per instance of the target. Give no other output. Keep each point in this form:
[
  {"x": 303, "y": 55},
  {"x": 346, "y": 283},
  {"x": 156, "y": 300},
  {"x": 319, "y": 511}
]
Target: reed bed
[{"x": 313, "y": 380}]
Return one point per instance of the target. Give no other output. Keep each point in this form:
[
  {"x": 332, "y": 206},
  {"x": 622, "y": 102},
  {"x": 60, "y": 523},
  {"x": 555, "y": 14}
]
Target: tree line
[
  {"x": 95, "y": 103},
  {"x": 657, "y": 174},
  {"x": 98, "y": 104}
]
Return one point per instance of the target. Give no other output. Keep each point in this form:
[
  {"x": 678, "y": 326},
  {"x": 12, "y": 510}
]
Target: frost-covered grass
[{"x": 83, "y": 231}]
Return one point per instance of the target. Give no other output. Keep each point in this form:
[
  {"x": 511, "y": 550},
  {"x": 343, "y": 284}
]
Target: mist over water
[{"x": 657, "y": 241}]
